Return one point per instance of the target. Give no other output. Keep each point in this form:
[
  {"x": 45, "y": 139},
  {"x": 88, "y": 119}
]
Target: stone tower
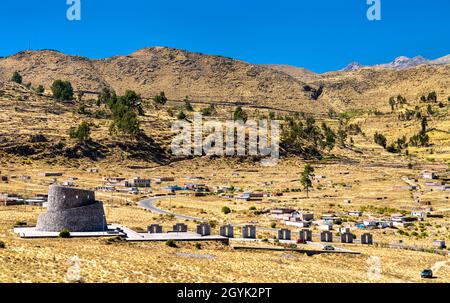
[{"x": 72, "y": 209}]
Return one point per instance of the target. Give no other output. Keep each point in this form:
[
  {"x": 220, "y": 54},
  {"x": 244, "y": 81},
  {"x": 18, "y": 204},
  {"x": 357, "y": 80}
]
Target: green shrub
[
  {"x": 208, "y": 111},
  {"x": 81, "y": 133},
  {"x": 125, "y": 110},
  {"x": 171, "y": 243},
  {"x": 2, "y": 245},
  {"x": 40, "y": 90},
  {"x": 65, "y": 233},
  {"x": 62, "y": 90},
  {"x": 160, "y": 99},
  {"x": 380, "y": 140},
  {"x": 240, "y": 115},
  {"x": 188, "y": 105},
  {"x": 16, "y": 77},
  {"x": 226, "y": 210},
  {"x": 181, "y": 115},
  {"x": 273, "y": 225}
]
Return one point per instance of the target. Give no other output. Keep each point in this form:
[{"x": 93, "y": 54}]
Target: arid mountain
[
  {"x": 218, "y": 79},
  {"x": 401, "y": 62},
  {"x": 442, "y": 60},
  {"x": 352, "y": 66},
  {"x": 179, "y": 73},
  {"x": 371, "y": 88},
  {"x": 404, "y": 62},
  {"x": 299, "y": 73}
]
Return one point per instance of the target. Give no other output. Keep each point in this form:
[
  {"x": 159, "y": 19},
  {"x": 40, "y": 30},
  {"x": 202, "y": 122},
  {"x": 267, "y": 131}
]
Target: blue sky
[{"x": 320, "y": 35}]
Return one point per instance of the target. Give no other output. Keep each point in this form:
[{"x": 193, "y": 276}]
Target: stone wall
[
  {"x": 61, "y": 198},
  {"x": 72, "y": 209}
]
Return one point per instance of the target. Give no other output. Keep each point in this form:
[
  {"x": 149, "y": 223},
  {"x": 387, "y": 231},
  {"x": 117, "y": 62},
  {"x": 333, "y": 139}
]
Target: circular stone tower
[{"x": 72, "y": 209}]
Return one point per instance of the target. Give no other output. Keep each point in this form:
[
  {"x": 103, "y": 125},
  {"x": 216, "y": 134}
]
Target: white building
[
  {"x": 429, "y": 175},
  {"x": 138, "y": 182}
]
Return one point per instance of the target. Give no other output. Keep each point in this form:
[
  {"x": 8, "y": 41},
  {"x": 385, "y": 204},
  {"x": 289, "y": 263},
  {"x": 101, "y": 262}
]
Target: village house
[
  {"x": 14, "y": 199},
  {"x": 344, "y": 230},
  {"x": 298, "y": 223},
  {"x": 114, "y": 180},
  {"x": 251, "y": 196},
  {"x": 385, "y": 224},
  {"x": 226, "y": 196},
  {"x": 174, "y": 188},
  {"x": 291, "y": 217},
  {"x": 402, "y": 218},
  {"x": 42, "y": 196},
  {"x": 419, "y": 214},
  {"x": 199, "y": 188},
  {"x": 194, "y": 178},
  {"x": 281, "y": 213},
  {"x": 69, "y": 184},
  {"x": 93, "y": 170},
  {"x": 106, "y": 188},
  {"x": 326, "y": 227},
  {"x": 445, "y": 187},
  {"x": 133, "y": 190},
  {"x": 138, "y": 182},
  {"x": 355, "y": 213},
  {"x": 405, "y": 187},
  {"x": 370, "y": 223},
  {"x": 401, "y": 224},
  {"x": 160, "y": 180},
  {"x": 331, "y": 219},
  {"x": 11, "y": 199},
  {"x": 429, "y": 175},
  {"x": 197, "y": 194},
  {"x": 439, "y": 244},
  {"x": 224, "y": 189},
  {"x": 50, "y": 174},
  {"x": 35, "y": 202},
  {"x": 303, "y": 216}
]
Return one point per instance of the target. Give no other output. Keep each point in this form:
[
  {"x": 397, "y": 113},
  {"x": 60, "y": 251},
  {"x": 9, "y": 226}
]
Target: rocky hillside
[
  {"x": 218, "y": 79},
  {"x": 299, "y": 73},
  {"x": 179, "y": 73},
  {"x": 371, "y": 88}
]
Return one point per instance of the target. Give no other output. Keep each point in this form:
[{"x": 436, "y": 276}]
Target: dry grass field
[
  {"x": 46, "y": 260},
  {"x": 362, "y": 172},
  {"x": 109, "y": 261}
]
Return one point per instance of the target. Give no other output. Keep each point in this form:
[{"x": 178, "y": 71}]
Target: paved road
[{"x": 149, "y": 204}]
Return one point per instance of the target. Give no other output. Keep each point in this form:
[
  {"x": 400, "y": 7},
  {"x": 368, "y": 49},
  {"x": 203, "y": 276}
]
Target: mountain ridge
[
  {"x": 400, "y": 62},
  {"x": 179, "y": 73},
  {"x": 210, "y": 78}
]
